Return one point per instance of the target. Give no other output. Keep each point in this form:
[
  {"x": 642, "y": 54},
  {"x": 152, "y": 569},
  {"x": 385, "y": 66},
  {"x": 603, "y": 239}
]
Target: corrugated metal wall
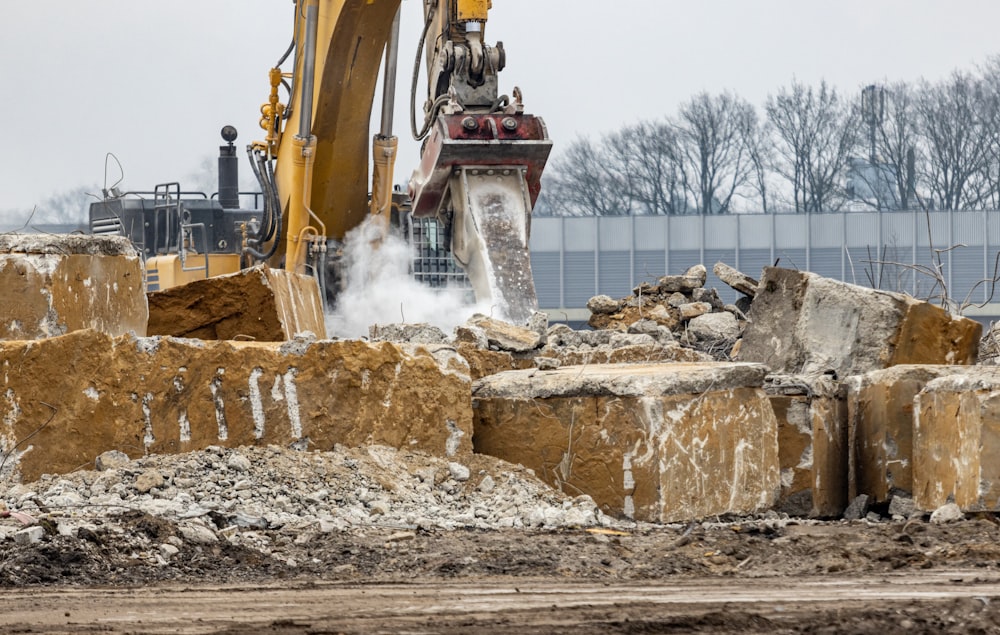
[{"x": 576, "y": 258}]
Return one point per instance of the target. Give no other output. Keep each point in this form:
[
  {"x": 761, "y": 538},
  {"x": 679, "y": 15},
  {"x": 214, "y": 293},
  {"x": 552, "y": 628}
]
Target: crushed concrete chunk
[
  {"x": 947, "y": 513},
  {"x": 111, "y": 460},
  {"x": 459, "y": 472},
  {"x": 408, "y": 333},
  {"x": 29, "y": 536},
  {"x": 858, "y": 508},
  {"x": 148, "y": 480},
  {"x": 715, "y": 327},
  {"x": 692, "y": 310},
  {"x": 737, "y": 280},
  {"x": 902, "y": 506},
  {"x": 602, "y": 304},
  {"x": 507, "y": 337}
]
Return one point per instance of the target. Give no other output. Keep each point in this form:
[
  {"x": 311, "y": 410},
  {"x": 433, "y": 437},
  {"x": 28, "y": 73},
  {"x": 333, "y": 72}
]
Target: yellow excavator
[{"x": 479, "y": 173}]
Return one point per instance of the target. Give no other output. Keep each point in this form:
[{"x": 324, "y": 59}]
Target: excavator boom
[{"x": 480, "y": 169}]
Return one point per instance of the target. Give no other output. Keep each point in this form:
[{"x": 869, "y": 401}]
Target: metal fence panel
[
  {"x": 580, "y": 234},
  {"x": 827, "y": 261},
  {"x": 615, "y": 234},
  {"x": 548, "y": 282},
  {"x": 721, "y": 232},
  {"x": 579, "y": 278},
  {"x": 685, "y": 232},
  {"x": 969, "y": 228},
  {"x": 649, "y": 266},
  {"x": 826, "y": 230},
  {"x": 651, "y": 232},
  {"x": 897, "y": 229},
  {"x": 940, "y": 230},
  {"x": 792, "y": 259},
  {"x": 546, "y": 234},
  {"x": 790, "y": 231},
  {"x": 993, "y": 232},
  {"x": 683, "y": 259},
  {"x": 615, "y": 275},
  {"x": 967, "y": 276},
  {"x": 756, "y": 231},
  {"x": 862, "y": 229}
]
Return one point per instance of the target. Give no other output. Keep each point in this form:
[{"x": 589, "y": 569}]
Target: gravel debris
[{"x": 209, "y": 491}]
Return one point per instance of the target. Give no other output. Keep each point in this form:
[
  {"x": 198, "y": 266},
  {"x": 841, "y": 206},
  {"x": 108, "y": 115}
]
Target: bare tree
[
  {"x": 951, "y": 127},
  {"x": 631, "y": 171},
  {"x": 990, "y": 117},
  {"x": 817, "y": 133},
  {"x": 582, "y": 182},
  {"x": 760, "y": 145},
  {"x": 651, "y": 148},
  {"x": 898, "y": 142},
  {"x": 712, "y": 134}
]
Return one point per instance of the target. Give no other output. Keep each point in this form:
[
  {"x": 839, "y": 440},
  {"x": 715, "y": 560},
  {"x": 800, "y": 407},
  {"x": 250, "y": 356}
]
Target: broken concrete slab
[
  {"x": 880, "y": 411},
  {"x": 956, "y": 442},
  {"x": 407, "y": 333},
  {"x": 53, "y": 285},
  {"x": 801, "y": 323},
  {"x": 660, "y": 443},
  {"x": 66, "y": 400},
  {"x": 259, "y": 304},
  {"x": 812, "y": 444},
  {"x": 505, "y": 336},
  {"x": 737, "y": 280}
]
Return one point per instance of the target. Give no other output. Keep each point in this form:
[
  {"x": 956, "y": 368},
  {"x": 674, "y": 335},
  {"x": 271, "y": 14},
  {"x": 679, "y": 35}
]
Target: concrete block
[
  {"x": 29, "y": 536},
  {"x": 956, "y": 443},
  {"x": 52, "y": 285},
  {"x": 880, "y": 413},
  {"x": 657, "y": 442},
  {"x": 812, "y": 444},
  {"x": 259, "y": 304},
  {"x": 802, "y": 323},
  {"x": 85, "y": 393}
]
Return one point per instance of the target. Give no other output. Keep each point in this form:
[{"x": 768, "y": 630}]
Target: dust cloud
[{"x": 380, "y": 289}]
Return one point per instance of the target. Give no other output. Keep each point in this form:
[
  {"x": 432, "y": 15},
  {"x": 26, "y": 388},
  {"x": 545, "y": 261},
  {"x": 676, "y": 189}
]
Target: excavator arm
[{"x": 482, "y": 157}]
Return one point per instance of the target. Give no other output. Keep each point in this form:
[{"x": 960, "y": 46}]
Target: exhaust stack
[{"x": 229, "y": 171}]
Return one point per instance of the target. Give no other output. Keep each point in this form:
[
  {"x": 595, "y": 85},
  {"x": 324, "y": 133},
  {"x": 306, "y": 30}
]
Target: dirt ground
[{"x": 757, "y": 576}]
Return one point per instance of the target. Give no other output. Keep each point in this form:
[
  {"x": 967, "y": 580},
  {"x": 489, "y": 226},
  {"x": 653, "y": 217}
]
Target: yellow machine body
[{"x": 165, "y": 272}]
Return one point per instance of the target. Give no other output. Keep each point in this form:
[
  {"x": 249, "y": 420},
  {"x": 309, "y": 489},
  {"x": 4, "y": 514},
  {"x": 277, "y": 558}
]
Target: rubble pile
[
  {"x": 989, "y": 346},
  {"x": 491, "y": 346},
  {"x": 681, "y": 309},
  {"x": 221, "y": 494}
]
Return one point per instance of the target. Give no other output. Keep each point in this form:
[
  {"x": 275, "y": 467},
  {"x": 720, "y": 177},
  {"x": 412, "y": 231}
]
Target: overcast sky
[{"x": 153, "y": 81}]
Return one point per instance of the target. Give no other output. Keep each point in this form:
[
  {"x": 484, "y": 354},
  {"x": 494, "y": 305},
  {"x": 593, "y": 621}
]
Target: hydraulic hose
[
  {"x": 419, "y": 136},
  {"x": 271, "y": 225}
]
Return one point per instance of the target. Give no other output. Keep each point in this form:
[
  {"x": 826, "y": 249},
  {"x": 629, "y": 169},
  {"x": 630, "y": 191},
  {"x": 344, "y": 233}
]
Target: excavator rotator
[{"x": 482, "y": 160}]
